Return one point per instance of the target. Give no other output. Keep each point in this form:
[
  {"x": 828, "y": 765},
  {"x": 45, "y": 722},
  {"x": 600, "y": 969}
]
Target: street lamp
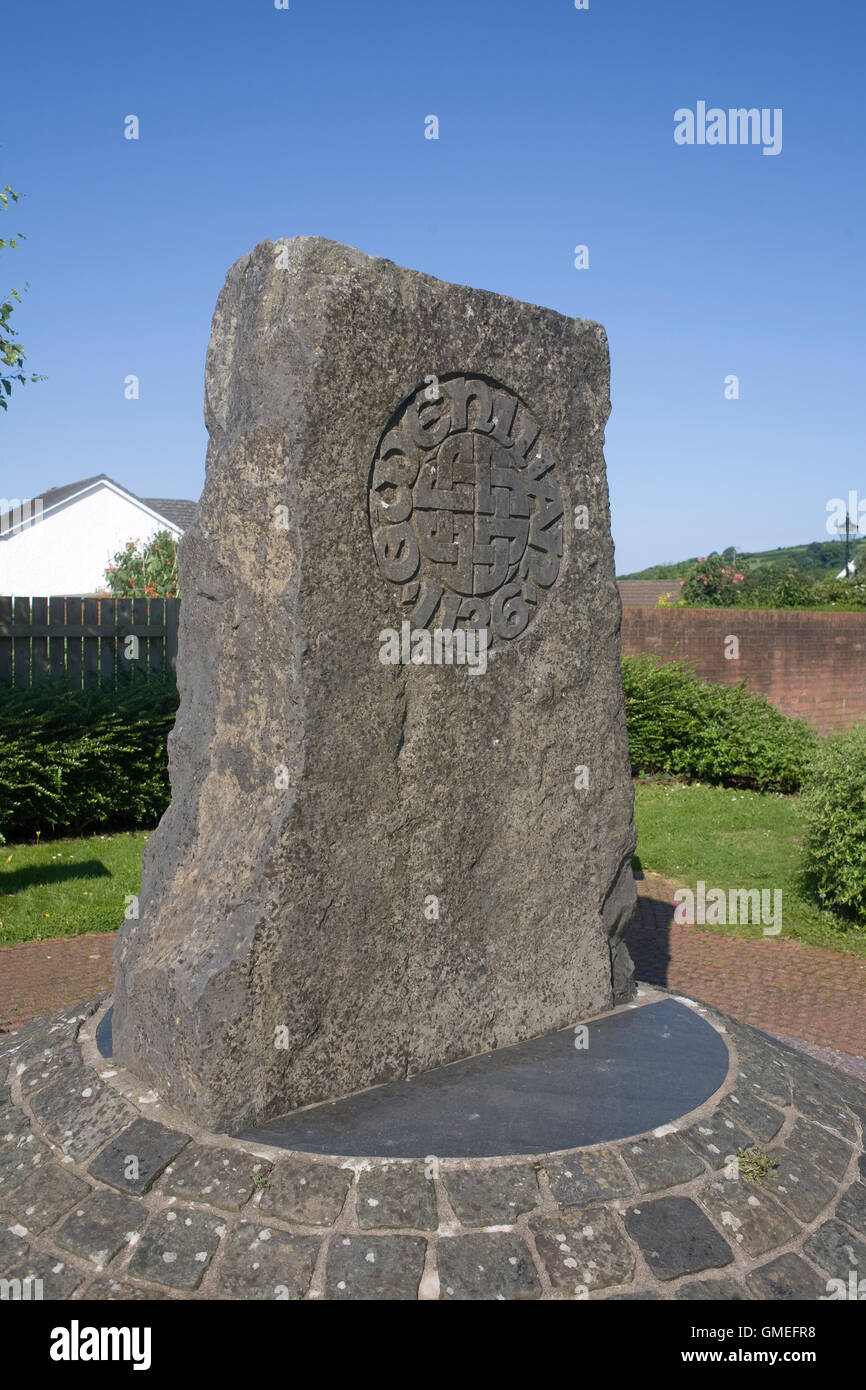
[{"x": 848, "y": 528}]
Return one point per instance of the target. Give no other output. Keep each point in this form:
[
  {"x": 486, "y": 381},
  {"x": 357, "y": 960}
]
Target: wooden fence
[{"x": 86, "y": 641}]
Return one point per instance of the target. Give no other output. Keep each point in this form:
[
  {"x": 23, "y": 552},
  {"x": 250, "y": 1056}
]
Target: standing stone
[{"x": 375, "y": 861}]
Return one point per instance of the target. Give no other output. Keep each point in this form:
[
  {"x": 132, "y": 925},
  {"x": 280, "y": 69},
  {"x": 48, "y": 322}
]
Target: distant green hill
[{"x": 821, "y": 559}]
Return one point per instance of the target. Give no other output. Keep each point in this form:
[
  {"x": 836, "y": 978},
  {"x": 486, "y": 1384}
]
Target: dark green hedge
[
  {"x": 715, "y": 733},
  {"x": 73, "y": 759}
]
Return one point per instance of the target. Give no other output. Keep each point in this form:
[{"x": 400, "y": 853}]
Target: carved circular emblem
[{"x": 465, "y": 507}]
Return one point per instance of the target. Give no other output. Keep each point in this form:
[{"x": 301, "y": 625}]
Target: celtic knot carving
[{"x": 465, "y": 507}]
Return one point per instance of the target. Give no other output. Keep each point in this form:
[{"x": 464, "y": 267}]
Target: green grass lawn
[
  {"x": 735, "y": 839},
  {"x": 686, "y": 832},
  {"x": 69, "y": 886}
]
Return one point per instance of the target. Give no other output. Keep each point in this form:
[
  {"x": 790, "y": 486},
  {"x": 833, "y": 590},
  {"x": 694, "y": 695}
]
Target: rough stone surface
[
  {"x": 749, "y": 1216},
  {"x": 47, "y": 1067},
  {"x": 396, "y": 1195},
  {"x": 582, "y": 1176},
  {"x": 835, "y": 1249},
  {"x": 176, "y": 1247},
  {"x": 802, "y": 1189},
  {"x": 662, "y": 1161},
  {"x": 134, "y": 1160},
  {"x": 583, "y": 1250},
  {"x": 44, "y": 1195},
  {"x": 284, "y": 952},
  {"x": 762, "y": 1066},
  {"x": 825, "y": 1151},
  {"x": 18, "y": 1160},
  {"x": 711, "y": 1290},
  {"x": 310, "y": 1193},
  {"x": 818, "y": 1099},
  {"x": 12, "y": 1247},
  {"x": 852, "y": 1208},
  {"x": 78, "y": 1113},
  {"x": 220, "y": 1177},
  {"x": 787, "y": 1279},
  {"x": 676, "y": 1237},
  {"x": 711, "y": 1237},
  {"x": 119, "y": 1291},
  {"x": 265, "y": 1263},
  {"x": 57, "y": 1278},
  {"x": 718, "y": 1140},
  {"x": 744, "y": 1108},
  {"x": 495, "y": 1196},
  {"x": 365, "y": 1268},
  {"x": 103, "y": 1224},
  {"x": 13, "y": 1122},
  {"x": 487, "y": 1267}
]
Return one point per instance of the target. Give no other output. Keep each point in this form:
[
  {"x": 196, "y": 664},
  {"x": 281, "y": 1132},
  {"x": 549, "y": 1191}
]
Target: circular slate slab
[{"x": 642, "y": 1068}]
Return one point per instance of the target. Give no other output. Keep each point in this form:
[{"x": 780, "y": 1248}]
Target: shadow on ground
[
  {"x": 41, "y": 875},
  {"x": 648, "y": 935}
]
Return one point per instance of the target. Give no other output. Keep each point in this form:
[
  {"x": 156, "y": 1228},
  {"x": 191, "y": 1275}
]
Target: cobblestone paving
[{"x": 106, "y": 1194}]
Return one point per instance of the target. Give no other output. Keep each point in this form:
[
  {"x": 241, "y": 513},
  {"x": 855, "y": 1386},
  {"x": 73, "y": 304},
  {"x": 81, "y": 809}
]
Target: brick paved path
[
  {"x": 42, "y": 977},
  {"x": 783, "y": 986},
  {"x": 105, "y": 1193},
  {"x": 800, "y": 992}
]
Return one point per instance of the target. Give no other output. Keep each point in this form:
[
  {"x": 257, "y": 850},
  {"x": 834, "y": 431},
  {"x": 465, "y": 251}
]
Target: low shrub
[
  {"x": 71, "y": 759},
  {"x": 681, "y": 725},
  {"x": 834, "y": 800}
]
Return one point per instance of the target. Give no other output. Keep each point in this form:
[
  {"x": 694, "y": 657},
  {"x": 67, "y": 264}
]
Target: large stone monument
[{"x": 401, "y": 820}]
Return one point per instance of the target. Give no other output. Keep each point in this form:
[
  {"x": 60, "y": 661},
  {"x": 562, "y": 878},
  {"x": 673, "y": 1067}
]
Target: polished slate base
[{"x": 644, "y": 1067}]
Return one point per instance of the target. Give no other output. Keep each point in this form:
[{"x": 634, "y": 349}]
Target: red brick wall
[
  {"x": 646, "y": 592},
  {"x": 811, "y": 665}
]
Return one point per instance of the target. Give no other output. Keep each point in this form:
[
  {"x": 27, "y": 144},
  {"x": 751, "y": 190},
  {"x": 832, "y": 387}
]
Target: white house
[{"x": 63, "y": 541}]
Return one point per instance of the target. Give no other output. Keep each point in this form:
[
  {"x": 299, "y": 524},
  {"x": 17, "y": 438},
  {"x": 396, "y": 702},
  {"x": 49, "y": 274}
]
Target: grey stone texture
[
  {"x": 492, "y": 1196},
  {"x": 786, "y": 1279},
  {"x": 398, "y": 1194},
  {"x": 381, "y": 1229},
  {"x": 749, "y": 1216},
  {"x": 710, "y": 1290},
  {"x": 177, "y": 1246},
  {"x": 662, "y": 1161},
  {"x": 135, "y": 1158},
  {"x": 368, "y": 1268},
  {"x": 12, "y": 1247},
  {"x": 586, "y": 1175},
  {"x": 676, "y": 1237},
  {"x": 487, "y": 1267},
  {"x": 78, "y": 1113},
  {"x": 103, "y": 1224},
  {"x": 718, "y": 1140},
  {"x": 322, "y": 797},
  {"x": 220, "y": 1177},
  {"x": 267, "y": 1264},
  {"x": 298, "y": 1189},
  {"x": 45, "y": 1195},
  {"x": 835, "y": 1249},
  {"x": 583, "y": 1249},
  {"x": 56, "y": 1279}
]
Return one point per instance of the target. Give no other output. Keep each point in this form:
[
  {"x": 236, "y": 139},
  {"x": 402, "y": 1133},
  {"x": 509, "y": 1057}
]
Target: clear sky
[{"x": 556, "y": 129}]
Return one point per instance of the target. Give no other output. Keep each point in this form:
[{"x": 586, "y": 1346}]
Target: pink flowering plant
[{"x": 712, "y": 583}]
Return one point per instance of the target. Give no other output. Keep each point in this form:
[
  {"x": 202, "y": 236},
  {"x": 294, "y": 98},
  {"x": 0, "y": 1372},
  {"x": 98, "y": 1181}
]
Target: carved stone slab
[{"x": 382, "y": 855}]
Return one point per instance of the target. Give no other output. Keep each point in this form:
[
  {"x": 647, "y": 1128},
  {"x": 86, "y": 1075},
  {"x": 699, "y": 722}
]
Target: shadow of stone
[{"x": 648, "y": 936}]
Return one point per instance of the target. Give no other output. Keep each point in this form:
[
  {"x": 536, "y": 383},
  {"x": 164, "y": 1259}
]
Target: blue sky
[{"x": 556, "y": 129}]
